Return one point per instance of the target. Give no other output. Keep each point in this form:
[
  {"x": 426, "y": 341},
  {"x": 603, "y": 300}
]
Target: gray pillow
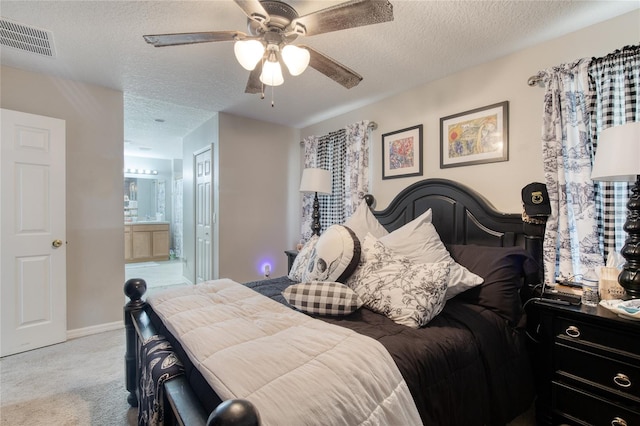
[{"x": 362, "y": 221}]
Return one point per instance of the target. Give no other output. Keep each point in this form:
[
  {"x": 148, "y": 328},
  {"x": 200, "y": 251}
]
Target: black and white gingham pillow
[{"x": 322, "y": 298}]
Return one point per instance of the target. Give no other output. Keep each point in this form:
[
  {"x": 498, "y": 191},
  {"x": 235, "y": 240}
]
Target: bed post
[
  {"x": 133, "y": 289},
  {"x": 533, "y": 243}
]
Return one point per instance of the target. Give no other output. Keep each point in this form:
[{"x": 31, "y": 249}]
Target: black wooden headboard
[{"x": 460, "y": 215}]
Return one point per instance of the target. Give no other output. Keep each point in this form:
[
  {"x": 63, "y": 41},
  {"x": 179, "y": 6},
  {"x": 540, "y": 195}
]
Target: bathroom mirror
[{"x": 141, "y": 199}]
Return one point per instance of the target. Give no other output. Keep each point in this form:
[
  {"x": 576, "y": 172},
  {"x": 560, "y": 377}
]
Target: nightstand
[
  {"x": 291, "y": 256},
  {"x": 587, "y": 364}
]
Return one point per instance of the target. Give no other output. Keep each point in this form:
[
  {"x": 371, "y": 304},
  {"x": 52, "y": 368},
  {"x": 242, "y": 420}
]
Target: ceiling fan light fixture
[
  {"x": 271, "y": 73},
  {"x": 295, "y": 58},
  {"x": 273, "y": 25},
  {"x": 248, "y": 53}
]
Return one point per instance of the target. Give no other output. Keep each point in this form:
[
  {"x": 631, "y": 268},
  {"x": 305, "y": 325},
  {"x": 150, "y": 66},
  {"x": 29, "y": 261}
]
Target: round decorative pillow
[{"x": 335, "y": 256}]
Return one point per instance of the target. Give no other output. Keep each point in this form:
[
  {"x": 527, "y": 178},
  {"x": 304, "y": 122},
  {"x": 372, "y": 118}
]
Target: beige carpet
[{"x": 79, "y": 382}]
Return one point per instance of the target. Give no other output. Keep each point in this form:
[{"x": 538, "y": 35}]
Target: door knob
[{"x": 56, "y": 243}]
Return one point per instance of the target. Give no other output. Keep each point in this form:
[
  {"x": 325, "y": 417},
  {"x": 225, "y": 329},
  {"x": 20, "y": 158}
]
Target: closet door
[{"x": 204, "y": 215}]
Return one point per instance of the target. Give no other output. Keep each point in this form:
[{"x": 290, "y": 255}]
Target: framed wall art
[
  {"x": 402, "y": 153},
  {"x": 475, "y": 137}
]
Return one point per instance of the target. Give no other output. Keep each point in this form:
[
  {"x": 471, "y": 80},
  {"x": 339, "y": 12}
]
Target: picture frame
[
  {"x": 477, "y": 136},
  {"x": 402, "y": 153}
]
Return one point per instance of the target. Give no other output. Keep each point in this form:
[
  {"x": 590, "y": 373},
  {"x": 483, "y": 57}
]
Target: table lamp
[
  {"x": 618, "y": 160},
  {"x": 317, "y": 181}
]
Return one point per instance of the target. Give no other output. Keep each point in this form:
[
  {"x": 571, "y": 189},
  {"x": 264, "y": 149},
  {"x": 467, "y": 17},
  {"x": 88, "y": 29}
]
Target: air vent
[{"x": 25, "y": 38}]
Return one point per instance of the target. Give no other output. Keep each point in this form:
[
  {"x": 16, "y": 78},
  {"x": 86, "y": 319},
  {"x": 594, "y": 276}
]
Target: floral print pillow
[
  {"x": 408, "y": 293},
  {"x": 302, "y": 259}
]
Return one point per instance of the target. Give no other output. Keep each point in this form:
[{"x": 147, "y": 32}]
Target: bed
[{"x": 468, "y": 365}]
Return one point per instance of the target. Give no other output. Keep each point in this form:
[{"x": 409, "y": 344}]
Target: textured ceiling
[{"x": 100, "y": 42}]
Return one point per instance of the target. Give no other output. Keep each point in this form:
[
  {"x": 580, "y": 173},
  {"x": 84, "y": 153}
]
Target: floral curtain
[
  {"x": 615, "y": 81},
  {"x": 310, "y": 146},
  {"x": 571, "y": 245},
  {"x": 356, "y": 178},
  {"x": 345, "y": 153}
]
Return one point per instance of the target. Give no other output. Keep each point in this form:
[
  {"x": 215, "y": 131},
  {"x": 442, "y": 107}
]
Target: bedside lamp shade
[
  {"x": 316, "y": 181},
  {"x": 618, "y": 155},
  {"x": 618, "y": 160}
]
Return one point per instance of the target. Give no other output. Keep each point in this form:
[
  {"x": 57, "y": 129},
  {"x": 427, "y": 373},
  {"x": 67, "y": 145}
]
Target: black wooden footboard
[
  {"x": 134, "y": 289},
  {"x": 182, "y": 407}
]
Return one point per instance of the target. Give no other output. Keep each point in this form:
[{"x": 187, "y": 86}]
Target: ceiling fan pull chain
[
  {"x": 272, "y": 101},
  {"x": 261, "y": 83}
]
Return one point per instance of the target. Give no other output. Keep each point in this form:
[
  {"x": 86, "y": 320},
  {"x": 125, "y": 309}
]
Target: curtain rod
[
  {"x": 371, "y": 126},
  {"x": 534, "y": 80}
]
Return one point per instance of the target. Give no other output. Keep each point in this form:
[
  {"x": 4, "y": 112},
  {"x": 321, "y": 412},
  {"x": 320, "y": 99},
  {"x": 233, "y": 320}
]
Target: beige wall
[
  {"x": 256, "y": 169},
  {"x": 94, "y": 128},
  {"x": 500, "y": 80}
]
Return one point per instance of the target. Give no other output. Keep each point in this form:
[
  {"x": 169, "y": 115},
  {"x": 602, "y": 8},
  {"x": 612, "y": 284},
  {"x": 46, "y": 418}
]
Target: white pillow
[
  {"x": 301, "y": 261},
  {"x": 362, "y": 221},
  {"x": 420, "y": 242},
  {"x": 408, "y": 293},
  {"x": 334, "y": 257},
  {"x": 322, "y": 298}
]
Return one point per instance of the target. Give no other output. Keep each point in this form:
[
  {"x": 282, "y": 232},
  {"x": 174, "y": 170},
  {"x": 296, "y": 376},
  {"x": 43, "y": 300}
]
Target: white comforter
[{"x": 295, "y": 369}]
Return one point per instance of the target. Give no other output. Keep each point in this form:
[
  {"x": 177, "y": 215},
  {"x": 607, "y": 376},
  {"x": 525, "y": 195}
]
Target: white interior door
[
  {"x": 203, "y": 211},
  {"x": 32, "y": 232}
]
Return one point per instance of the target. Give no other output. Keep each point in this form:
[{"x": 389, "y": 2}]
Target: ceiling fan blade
[
  {"x": 354, "y": 13},
  {"x": 254, "y": 10},
  {"x": 254, "y": 85},
  {"x": 332, "y": 69},
  {"x": 162, "y": 40}
]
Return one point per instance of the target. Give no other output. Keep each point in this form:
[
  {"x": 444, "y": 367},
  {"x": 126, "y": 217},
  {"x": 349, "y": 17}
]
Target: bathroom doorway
[{"x": 152, "y": 190}]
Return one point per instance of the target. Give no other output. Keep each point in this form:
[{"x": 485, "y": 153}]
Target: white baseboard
[{"x": 94, "y": 329}]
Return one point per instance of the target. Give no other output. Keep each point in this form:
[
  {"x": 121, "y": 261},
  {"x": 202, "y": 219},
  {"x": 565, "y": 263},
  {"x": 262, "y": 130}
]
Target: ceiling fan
[{"x": 273, "y": 25}]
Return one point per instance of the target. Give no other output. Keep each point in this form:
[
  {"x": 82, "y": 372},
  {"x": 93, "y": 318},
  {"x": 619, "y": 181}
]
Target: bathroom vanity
[{"x": 146, "y": 241}]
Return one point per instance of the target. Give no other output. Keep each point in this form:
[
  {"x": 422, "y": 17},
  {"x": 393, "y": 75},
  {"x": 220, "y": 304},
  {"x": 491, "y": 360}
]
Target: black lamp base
[
  {"x": 315, "y": 227},
  {"x": 629, "y": 278}
]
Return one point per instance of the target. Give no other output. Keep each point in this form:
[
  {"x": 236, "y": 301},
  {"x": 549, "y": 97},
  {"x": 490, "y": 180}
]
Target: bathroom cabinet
[{"x": 144, "y": 242}]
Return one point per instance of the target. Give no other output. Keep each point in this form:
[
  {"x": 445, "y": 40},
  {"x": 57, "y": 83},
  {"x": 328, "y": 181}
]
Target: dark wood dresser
[{"x": 587, "y": 363}]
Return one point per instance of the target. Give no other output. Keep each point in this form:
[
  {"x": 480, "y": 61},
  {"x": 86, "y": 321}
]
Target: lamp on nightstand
[
  {"x": 317, "y": 181},
  {"x": 618, "y": 160}
]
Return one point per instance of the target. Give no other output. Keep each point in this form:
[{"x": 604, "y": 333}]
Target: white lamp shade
[
  {"x": 316, "y": 180},
  {"x": 271, "y": 74},
  {"x": 295, "y": 58},
  {"x": 618, "y": 155},
  {"x": 248, "y": 53}
]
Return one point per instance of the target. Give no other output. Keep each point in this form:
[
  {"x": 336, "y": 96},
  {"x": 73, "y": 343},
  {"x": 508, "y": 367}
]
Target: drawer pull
[
  {"x": 572, "y": 331},
  {"x": 617, "y": 421},
  {"x": 622, "y": 380}
]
